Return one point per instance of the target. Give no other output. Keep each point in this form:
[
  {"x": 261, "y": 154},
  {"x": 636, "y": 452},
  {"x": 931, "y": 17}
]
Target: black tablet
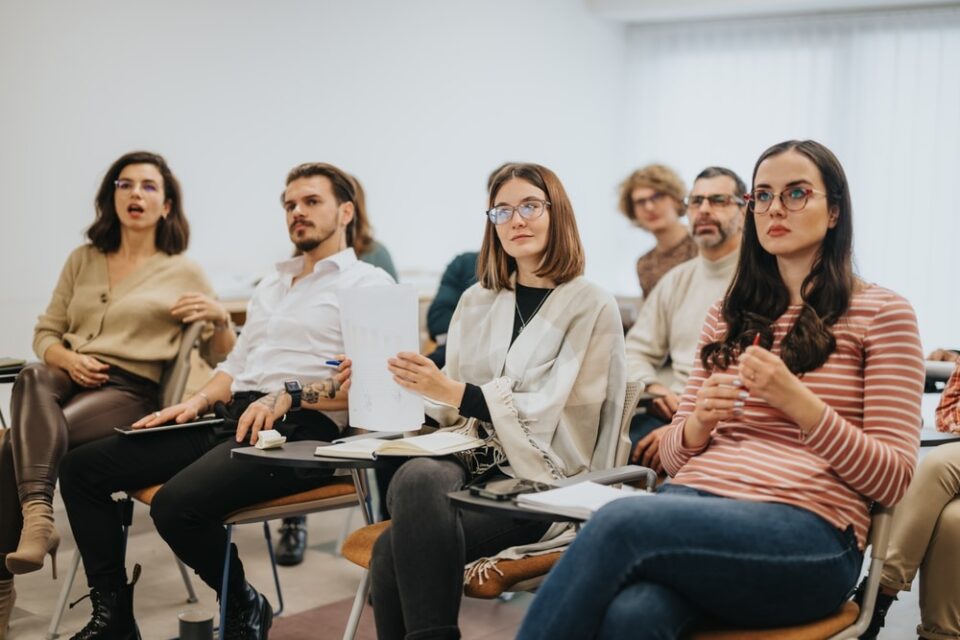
[{"x": 130, "y": 431}]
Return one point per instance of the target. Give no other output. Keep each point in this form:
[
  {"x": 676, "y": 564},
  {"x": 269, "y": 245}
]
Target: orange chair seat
[
  {"x": 514, "y": 572},
  {"x": 358, "y": 549},
  {"x": 817, "y": 630},
  {"x": 336, "y": 487}
]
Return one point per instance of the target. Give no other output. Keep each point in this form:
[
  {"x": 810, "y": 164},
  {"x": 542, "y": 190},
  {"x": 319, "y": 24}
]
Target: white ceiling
[{"x": 651, "y": 11}]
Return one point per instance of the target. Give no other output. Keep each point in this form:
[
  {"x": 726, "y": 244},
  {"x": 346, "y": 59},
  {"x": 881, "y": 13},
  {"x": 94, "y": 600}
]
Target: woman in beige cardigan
[{"x": 114, "y": 320}]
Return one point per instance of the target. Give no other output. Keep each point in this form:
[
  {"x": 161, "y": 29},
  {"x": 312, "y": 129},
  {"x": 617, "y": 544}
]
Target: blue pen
[{"x": 333, "y": 363}]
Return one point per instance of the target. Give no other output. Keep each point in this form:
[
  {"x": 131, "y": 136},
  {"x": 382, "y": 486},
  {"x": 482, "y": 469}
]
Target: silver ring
[{"x": 156, "y": 414}]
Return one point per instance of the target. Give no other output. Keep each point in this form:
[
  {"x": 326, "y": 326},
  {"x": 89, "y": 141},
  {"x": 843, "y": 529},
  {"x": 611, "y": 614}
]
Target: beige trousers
[{"x": 926, "y": 537}]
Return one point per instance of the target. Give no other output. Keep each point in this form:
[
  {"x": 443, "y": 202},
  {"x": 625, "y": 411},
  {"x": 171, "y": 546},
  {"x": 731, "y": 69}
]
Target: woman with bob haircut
[
  {"x": 803, "y": 410},
  {"x": 113, "y": 322},
  {"x": 535, "y": 366}
]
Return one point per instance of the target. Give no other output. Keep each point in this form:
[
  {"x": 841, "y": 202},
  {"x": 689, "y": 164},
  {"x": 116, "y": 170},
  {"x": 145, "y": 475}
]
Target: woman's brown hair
[
  {"x": 173, "y": 231},
  {"x": 563, "y": 260}
]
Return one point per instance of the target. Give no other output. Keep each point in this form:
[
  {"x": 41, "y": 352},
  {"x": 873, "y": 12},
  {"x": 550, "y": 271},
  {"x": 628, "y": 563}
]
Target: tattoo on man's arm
[{"x": 314, "y": 391}]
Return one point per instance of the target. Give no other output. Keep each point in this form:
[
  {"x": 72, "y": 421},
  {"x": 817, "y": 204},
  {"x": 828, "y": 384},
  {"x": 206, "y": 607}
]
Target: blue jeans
[{"x": 656, "y": 567}]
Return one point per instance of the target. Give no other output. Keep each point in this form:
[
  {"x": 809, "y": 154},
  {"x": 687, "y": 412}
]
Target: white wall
[
  {"x": 881, "y": 90},
  {"x": 419, "y": 99}
]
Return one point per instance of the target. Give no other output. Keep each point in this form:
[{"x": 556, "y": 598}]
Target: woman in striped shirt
[{"x": 804, "y": 408}]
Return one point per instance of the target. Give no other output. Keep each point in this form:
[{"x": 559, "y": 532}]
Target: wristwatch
[{"x": 295, "y": 389}]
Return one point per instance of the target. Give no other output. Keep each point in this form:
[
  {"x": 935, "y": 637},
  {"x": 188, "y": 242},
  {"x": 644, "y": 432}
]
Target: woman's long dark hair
[{"x": 757, "y": 296}]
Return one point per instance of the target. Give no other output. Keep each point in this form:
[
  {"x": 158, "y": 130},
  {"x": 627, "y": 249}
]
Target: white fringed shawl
[{"x": 555, "y": 396}]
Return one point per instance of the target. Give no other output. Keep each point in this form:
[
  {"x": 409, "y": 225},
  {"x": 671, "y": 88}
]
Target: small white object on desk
[{"x": 270, "y": 439}]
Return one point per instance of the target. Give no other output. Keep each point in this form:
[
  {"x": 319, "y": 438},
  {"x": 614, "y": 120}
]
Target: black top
[{"x": 529, "y": 301}]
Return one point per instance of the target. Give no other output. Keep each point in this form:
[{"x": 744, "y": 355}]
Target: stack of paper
[{"x": 578, "y": 500}]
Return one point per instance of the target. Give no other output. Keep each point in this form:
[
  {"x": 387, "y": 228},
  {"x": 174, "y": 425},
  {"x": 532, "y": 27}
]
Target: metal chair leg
[
  {"x": 223, "y": 587},
  {"x": 187, "y": 582},
  {"x": 353, "y": 622},
  {"x": 273, "y": 565},
  {"x": 53, "y": 629}
]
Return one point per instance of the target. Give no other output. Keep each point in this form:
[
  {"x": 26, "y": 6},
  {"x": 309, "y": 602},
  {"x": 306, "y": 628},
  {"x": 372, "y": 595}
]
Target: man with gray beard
[{"x": 662, "y": 344}]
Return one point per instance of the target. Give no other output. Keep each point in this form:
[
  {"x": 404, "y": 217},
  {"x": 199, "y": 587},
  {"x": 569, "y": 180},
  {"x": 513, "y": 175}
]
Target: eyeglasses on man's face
[
  {"x": 714, "y": 200},
  {"x": 528, "y": 210},
  {"x": 127, "y": 186},
  {"x": 793, "y": 199},
  {"x": 644, "y": 203}
]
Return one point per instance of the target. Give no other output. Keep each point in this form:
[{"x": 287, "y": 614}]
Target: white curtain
[{"x": 881, "y": 90}]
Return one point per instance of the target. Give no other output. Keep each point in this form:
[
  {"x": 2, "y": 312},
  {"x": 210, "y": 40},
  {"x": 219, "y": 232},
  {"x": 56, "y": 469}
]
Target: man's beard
[
  {"x": 309, "y": 244},
  {"x": 723, "y": 232}
]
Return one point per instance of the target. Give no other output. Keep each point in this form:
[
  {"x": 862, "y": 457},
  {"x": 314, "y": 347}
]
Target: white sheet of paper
[{"x": 377, "y": 323}]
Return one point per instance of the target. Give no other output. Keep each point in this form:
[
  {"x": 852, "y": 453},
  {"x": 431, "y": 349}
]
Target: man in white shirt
[
  {"x": 662, "y": 343},
  {"x": 292, "y": 331}
]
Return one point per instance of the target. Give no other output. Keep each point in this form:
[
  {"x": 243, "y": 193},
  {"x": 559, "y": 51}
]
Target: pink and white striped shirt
[{"x": 863, "y": 449}]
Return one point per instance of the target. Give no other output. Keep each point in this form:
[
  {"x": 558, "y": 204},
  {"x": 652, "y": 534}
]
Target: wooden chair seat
[
  {"x": 358, "y": 549},
  {"x": 320, "y": 499},
  {"x": 817, "y": 630},
  {"x": 518, "y": 575},
  {"x": 333, "y": 494}
]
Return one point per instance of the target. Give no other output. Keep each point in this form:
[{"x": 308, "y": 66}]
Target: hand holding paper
[{"x": 420, "y": 374}]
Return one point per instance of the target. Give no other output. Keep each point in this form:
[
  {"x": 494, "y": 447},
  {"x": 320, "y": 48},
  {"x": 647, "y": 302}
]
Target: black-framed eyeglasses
[
  {"x": 643, "y": 203},
  {"x": 714, "y": 199},
  {"x": 528, "y": 210},
  {"x": 128, "y": 185},
  {"x": 793, "y": 199}
]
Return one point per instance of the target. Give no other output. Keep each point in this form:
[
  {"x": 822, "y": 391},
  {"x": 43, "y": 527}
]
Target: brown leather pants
[{"x": 49, "y": 415}]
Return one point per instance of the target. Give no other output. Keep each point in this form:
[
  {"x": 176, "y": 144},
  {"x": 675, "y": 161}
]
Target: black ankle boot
[
  {"x": 112, "y": 613},
  {"x": 249, "y": 615},
  {"x": 293, "y": 541},
  {"x": 880, "y": 607}
]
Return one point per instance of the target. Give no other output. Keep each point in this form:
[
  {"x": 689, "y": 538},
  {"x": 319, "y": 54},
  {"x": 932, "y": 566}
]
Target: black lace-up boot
[
  {"x": 249, "y": 615},
  {"x": 293, "y": 541},
  {"x": 112, "y": 613},
  {"x": 880, "y": 608}
]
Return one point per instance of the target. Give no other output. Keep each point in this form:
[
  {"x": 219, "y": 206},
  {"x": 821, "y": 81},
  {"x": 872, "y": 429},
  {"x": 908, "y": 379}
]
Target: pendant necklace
[{"x": 524, "y": 323}]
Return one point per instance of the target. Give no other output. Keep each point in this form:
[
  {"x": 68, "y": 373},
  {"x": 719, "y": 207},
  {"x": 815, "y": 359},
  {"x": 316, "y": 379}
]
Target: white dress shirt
[{"x": 292, "y": 329}]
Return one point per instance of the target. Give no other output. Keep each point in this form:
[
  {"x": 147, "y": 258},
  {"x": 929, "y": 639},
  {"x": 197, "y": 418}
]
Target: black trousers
[
  {"x": 417, "y": 566},
  {"x": 201, "y": 486}
]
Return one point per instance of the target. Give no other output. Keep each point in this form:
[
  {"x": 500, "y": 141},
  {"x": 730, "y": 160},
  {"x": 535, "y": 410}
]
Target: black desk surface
[
  {"x": 930, "y": 437},
  {"x": 300, "y": 454}
]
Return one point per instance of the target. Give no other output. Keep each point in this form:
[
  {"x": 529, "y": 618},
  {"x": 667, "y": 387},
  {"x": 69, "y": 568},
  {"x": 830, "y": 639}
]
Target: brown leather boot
[
  {"x": 37, "y": 538},
  {"x": 8, "y": 595}
]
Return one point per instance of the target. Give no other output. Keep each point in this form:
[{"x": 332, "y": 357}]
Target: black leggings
[
  {"x": 417, "y": 566},
  {"x": 49, "y": 415},
  {"x": 201, "y": 486}
]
